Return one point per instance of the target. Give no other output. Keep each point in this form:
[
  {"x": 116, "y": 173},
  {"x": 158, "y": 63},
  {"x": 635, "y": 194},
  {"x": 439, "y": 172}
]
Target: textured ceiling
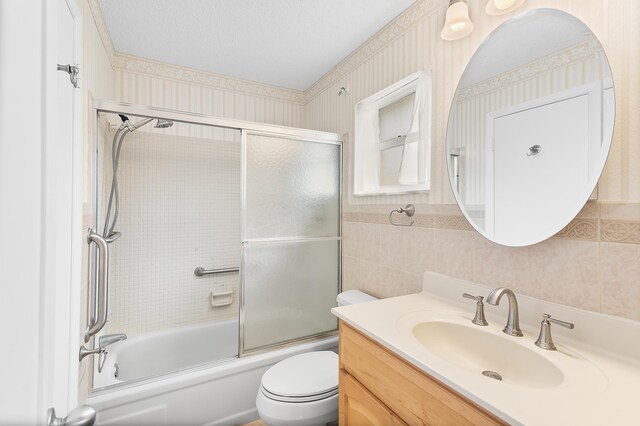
[{"x": 286, "y": 43}]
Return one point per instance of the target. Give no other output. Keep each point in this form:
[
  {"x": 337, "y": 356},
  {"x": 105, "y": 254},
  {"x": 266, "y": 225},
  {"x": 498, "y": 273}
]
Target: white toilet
[{"x": 303, "y": 390}]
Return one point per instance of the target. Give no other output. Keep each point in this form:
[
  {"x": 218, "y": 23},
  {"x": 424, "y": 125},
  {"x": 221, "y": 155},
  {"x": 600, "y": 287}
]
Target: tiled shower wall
[
  {"x": 179, "y": 209},
  {"x": 593, "y": 264}
]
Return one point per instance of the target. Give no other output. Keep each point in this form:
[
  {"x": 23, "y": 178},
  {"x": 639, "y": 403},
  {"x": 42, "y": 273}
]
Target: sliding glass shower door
[
  {"x": 222, "y": 241},
  {"x": 290, "y": 239}
]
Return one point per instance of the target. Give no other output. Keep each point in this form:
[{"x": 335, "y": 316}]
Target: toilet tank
[{"x": 351, "y": 297}]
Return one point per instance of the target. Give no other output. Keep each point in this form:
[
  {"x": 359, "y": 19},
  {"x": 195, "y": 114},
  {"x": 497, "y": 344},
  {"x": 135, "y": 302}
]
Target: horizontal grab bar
[{"x": 201, "y": 272}]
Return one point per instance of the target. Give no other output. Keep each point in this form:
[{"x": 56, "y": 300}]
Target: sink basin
[
  {"x": 482, "y": 351},
  {"x": 448, "y": 344}
]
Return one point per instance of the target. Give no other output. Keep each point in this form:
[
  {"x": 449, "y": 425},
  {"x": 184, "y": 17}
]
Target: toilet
[{"x": 303, "y": 390}]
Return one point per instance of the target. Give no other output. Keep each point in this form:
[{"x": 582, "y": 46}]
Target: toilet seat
[
  {"x": 308, "y": 398},
  {"x": 307, "y": 377}
]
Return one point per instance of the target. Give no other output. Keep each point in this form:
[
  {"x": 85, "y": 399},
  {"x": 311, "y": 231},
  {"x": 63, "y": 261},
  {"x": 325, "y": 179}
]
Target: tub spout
[
  {"x": 103, "y": 342},
  {"x": 109, "y": 339}
]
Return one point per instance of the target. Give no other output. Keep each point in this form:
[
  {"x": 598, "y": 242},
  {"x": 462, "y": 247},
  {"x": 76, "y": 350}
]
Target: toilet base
[{"x": 315, "y": 413}]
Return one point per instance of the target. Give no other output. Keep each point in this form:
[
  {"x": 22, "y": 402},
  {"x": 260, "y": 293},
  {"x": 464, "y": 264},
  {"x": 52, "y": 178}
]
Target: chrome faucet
[
  {"x": 103, "y": 342},
  {"x": 513, "y": 323},
  {"x": 109, "y": 339},
  {"x": 544, "y": 339}
]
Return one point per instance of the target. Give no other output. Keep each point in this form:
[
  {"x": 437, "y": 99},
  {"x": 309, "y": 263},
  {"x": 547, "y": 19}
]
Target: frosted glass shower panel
[
  {"x": 292, "y": 188},
  {"x": 290, "y": 288}
]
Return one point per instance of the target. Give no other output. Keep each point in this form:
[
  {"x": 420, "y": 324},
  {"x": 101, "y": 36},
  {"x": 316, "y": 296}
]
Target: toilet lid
[{"x": 302, "y": 376}]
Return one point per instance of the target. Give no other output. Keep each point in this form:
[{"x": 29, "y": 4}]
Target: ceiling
[{"x": 286, "y": 43}]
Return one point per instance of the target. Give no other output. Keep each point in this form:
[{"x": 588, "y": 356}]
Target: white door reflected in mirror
[{"x": 530, "y": 127}]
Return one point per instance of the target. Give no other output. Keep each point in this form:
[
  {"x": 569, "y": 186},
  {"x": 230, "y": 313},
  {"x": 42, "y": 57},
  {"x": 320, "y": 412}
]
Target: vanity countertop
[{"x": 599, "y": 360}]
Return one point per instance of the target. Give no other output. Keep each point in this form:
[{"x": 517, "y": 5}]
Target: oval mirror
[{"x": 530, "y": 127}]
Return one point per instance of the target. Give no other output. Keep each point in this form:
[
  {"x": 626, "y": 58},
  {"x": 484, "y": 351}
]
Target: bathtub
[
  {"x": 208, "y": 384},
  {"x": 166, "y": 351}
]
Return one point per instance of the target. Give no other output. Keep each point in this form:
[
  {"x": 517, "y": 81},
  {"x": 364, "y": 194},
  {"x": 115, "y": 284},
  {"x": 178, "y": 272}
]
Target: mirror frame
[{"x": 606, "y": 141}]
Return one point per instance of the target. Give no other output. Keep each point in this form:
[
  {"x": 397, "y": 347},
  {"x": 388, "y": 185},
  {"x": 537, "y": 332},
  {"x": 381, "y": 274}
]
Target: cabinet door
[
  {"x": 412, "y": 395},
  {"x": 358, "y": 407}
]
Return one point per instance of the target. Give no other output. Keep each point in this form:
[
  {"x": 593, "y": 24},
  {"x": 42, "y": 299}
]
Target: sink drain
[{"x": 492, "y": 374}]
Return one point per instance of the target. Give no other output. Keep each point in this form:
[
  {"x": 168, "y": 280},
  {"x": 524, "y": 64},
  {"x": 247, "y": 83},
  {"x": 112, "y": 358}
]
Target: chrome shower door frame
[
  {"x": 302, "y": 136},
  {"x": 245, "y": 128}
]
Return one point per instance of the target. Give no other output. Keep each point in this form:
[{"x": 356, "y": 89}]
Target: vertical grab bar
[{"x": 98, "y": 296}]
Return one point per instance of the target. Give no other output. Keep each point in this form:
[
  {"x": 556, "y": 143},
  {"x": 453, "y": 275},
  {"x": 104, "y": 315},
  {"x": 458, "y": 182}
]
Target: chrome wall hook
[{"x": 409, "y": 210}]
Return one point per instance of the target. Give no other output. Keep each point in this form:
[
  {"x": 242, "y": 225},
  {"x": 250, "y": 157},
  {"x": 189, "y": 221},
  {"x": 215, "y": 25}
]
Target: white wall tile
[{"x": 179, "y": 209}]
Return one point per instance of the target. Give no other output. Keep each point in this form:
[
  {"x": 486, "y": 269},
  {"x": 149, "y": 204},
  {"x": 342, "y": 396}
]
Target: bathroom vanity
[
  {"x": 379, "y": 387},
  {"x": 419, "y": 359}
]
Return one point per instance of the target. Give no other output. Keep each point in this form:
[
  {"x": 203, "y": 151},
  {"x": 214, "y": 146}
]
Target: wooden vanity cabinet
[
  {"x": 379, "y": 388},
  {"x": 358, "y": 406}
]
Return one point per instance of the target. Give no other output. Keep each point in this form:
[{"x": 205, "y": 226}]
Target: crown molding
[
  {"x": 146, "y": 66},
  {"x": 577, "y": 53},
  {"x": 411, "y": 17},
  {"x": 101, "y": 26}
]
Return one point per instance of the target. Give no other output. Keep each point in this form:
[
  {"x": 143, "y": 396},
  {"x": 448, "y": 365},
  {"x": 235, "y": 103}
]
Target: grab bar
[
  {"x": 98, "y": 306},
  {"x": 201, "y": 272}
]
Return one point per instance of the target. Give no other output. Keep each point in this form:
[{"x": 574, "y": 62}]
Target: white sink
[
  {"x": 476, "y": 350},
  {"x": 591, "y": 379},
  {"x": 452, "y": 343}
]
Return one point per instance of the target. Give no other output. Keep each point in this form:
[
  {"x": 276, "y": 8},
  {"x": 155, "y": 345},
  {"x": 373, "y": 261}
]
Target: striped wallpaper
[
  {"x": 166, "y": 92},
  {"x": 412, "y": 42}
]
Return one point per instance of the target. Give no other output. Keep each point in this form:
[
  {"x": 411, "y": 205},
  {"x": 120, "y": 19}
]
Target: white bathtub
[
  {"x": 208, "y": 394},
  {"x": 167, "y": 351}
]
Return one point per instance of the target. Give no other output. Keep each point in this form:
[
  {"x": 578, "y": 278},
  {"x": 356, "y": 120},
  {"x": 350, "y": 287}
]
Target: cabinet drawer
[
  {"x": 410, "y": 393},
  {"x": 358, "y": 407}
]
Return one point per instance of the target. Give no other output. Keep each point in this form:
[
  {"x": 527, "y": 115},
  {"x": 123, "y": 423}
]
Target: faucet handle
[
  {"x": 479, "y": 318},
  {"x": 470, "y": 296},
  {"x": 565, "y": 324},
  {"x": 545, "y": 341}
]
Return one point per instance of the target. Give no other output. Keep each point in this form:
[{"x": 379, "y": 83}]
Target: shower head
[
  {"x": 160, "y": 124},
  {"x": 127, "y": 122},
  {"x": 163, "y": 124}
]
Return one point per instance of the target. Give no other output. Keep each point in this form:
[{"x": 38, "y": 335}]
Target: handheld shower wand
[{"x": 126, "y": 127}]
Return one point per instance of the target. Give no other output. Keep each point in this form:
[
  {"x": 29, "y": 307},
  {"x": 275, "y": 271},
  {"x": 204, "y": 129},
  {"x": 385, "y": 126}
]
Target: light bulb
[
  {"x": 503, "y": 4},
  {"x": 500, "y": 7},
  {"x": 457, "y": 23}
]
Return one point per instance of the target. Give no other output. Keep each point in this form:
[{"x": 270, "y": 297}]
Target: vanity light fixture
[
  {"x": 457, "y": 23},
  {"x": 500, "y": 7}
]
